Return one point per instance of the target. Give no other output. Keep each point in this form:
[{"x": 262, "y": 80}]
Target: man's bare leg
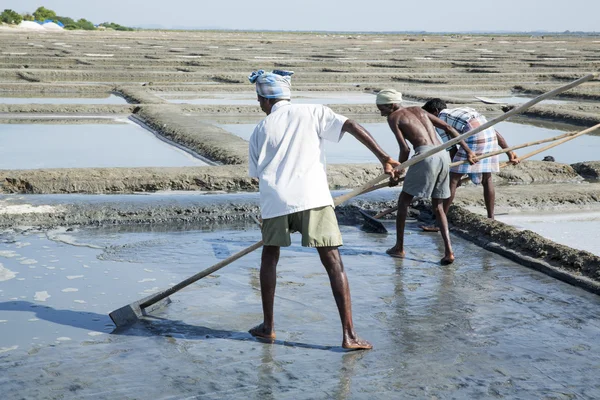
[
  {"x": 403, "y": 202},
  {"x": 440, "y": 215},
  {"x": 268, "y": 281},
  {"x": 332, "y": 261},
  {"x": 454, "y": 184},
  {"x": 489, "y": 193}
]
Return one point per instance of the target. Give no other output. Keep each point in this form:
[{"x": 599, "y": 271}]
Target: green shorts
[{"x": 318, "y": 226}]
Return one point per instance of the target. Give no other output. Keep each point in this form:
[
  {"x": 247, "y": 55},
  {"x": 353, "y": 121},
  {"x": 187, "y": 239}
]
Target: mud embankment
[
  {"x": 66, "y": 120},
  {"x": 234, "y": 178},
  {"x": 589, "y": 91},
  {"x": 207, "y": 140},
  {"x": 534, "y": 197},
  {"x": 130, "y": 180},
  {"x": 577, "y": 267},
  {"x": 537, "y": 172},
  {"x": 83, "y": 109},
  {"x": 137, "y": 95},
  {"x": 30, "y": 89},
  {"x": 560, "y": 113}
]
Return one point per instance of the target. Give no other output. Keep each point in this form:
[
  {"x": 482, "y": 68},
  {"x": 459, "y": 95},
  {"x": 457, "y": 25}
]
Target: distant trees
[
  {"x": 66, "y": 21},
  {"x": 85, "y": 25},
  {"x": 116, "y": 27},
  {"x": 42, "y": 14},
  {"x": 11, "y": 17}
]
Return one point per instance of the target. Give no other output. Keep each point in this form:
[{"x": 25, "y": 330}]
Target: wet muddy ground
[{"x": 479, "y": 328}]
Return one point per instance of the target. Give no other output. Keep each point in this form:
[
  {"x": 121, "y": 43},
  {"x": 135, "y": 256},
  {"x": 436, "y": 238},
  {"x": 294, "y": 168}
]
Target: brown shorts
[{"x": 318, "y": 226}]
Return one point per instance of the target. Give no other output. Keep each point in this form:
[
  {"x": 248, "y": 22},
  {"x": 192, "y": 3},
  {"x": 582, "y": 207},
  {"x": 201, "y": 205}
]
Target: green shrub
[
  {"x": 85, "y": 25},
  {"x": 42, "y": 14},
  {"x": 11, "y": 17}
]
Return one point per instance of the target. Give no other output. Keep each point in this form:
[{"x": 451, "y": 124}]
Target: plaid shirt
[{"x": 464, "y": 120}]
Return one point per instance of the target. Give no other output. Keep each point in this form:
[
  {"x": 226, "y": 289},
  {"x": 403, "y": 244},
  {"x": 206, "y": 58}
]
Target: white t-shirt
[{"x": 287, "y": 155}]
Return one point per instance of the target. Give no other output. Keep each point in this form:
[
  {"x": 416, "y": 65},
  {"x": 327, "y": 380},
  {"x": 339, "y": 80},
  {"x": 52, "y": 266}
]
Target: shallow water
[
  {"x": 580, "y": 230},
  {"x": 349, "y": 150},
  {"x": 110, "y": 99},
  {"x": 33, "y": 146},
  {"x": 479, "y": 328},
  {"x": 583, "y": 148}
]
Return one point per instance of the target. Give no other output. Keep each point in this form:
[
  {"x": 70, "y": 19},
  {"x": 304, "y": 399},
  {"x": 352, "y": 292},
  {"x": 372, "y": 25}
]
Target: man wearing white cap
[
  {"x": 427, "y": 178},
  {"x": 287, "y": 155}
]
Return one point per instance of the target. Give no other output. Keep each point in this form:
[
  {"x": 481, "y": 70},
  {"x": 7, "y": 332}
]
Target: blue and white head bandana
[{"x": 273, "y": 85}]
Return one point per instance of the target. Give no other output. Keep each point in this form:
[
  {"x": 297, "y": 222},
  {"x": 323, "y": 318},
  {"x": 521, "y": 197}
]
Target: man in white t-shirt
[{"x": 287, "y": 156}]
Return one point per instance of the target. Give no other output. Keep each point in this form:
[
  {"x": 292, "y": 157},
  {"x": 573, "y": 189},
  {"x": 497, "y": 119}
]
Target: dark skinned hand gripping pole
[{"x": 131, "y": 313}]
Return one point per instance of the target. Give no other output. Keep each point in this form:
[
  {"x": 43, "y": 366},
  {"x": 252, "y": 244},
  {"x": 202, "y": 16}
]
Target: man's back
[
  {"x": 415, "y": 126},
  {"x": 287, "y": 154}
]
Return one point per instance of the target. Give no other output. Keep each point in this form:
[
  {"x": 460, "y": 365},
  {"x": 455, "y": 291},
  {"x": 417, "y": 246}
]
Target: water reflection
[{"x": 34, "y": 146}]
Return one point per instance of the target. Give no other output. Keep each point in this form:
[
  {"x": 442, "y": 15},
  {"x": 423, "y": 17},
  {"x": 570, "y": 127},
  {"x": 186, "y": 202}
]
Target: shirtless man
[{"x": 427, "y": 178}]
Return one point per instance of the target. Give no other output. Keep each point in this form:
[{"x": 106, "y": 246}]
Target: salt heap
[
  {"x": 30, "y": 25},
  {"x": 52, "y": 26}
]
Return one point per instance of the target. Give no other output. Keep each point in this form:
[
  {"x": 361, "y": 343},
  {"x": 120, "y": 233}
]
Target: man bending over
[
  {"x": 427, "y": 178},
  {"x": 465, "y": 119}
]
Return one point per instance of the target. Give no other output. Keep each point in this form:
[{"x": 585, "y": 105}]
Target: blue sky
[{"x": 329, "y": 15}]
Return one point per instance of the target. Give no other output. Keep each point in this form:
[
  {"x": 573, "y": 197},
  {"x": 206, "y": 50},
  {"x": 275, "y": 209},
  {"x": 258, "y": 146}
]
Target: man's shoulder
[
  {"x": 300, "y": 109},
  {"x": 406, "y": 112},
  {"x": 309, "y": 107},
  {"x": 292, "y": 112}
]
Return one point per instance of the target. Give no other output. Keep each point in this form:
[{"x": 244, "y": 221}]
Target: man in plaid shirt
[{"x": 465, "y": 119}]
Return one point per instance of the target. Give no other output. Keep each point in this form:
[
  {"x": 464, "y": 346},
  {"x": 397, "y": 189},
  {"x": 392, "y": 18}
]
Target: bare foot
[
  {"x": 356, "y": 344},
  {"x": 260, "y": 332},
  {"x": 395, "y": 252},
  {"x": 447, "y": 260},
  {"x": 429, "y": 228}
]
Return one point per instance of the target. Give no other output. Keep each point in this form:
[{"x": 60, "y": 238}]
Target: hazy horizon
[{"x": 327, "y": 15}]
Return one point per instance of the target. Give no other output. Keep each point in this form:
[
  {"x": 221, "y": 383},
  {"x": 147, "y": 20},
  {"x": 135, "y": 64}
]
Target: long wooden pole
[
  {"x": 486, "y": 155},
  {"x": 517, "y": 147},
  {"x": 571, "y": 137},
  {"x": 525, "y": 157},
  {"x": 466, "y": 135}
]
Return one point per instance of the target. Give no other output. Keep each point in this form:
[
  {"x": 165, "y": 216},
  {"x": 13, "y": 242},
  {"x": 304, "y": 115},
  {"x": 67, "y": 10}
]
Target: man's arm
[
  {"x": 363, "y": 136},
  {"x": 512, "y": 156},
  {"x": 450, "y": 131}
]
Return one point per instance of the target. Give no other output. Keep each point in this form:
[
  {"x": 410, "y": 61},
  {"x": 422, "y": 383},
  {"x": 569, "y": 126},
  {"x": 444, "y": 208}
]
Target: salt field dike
[{"x": 124, "y": 171}]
